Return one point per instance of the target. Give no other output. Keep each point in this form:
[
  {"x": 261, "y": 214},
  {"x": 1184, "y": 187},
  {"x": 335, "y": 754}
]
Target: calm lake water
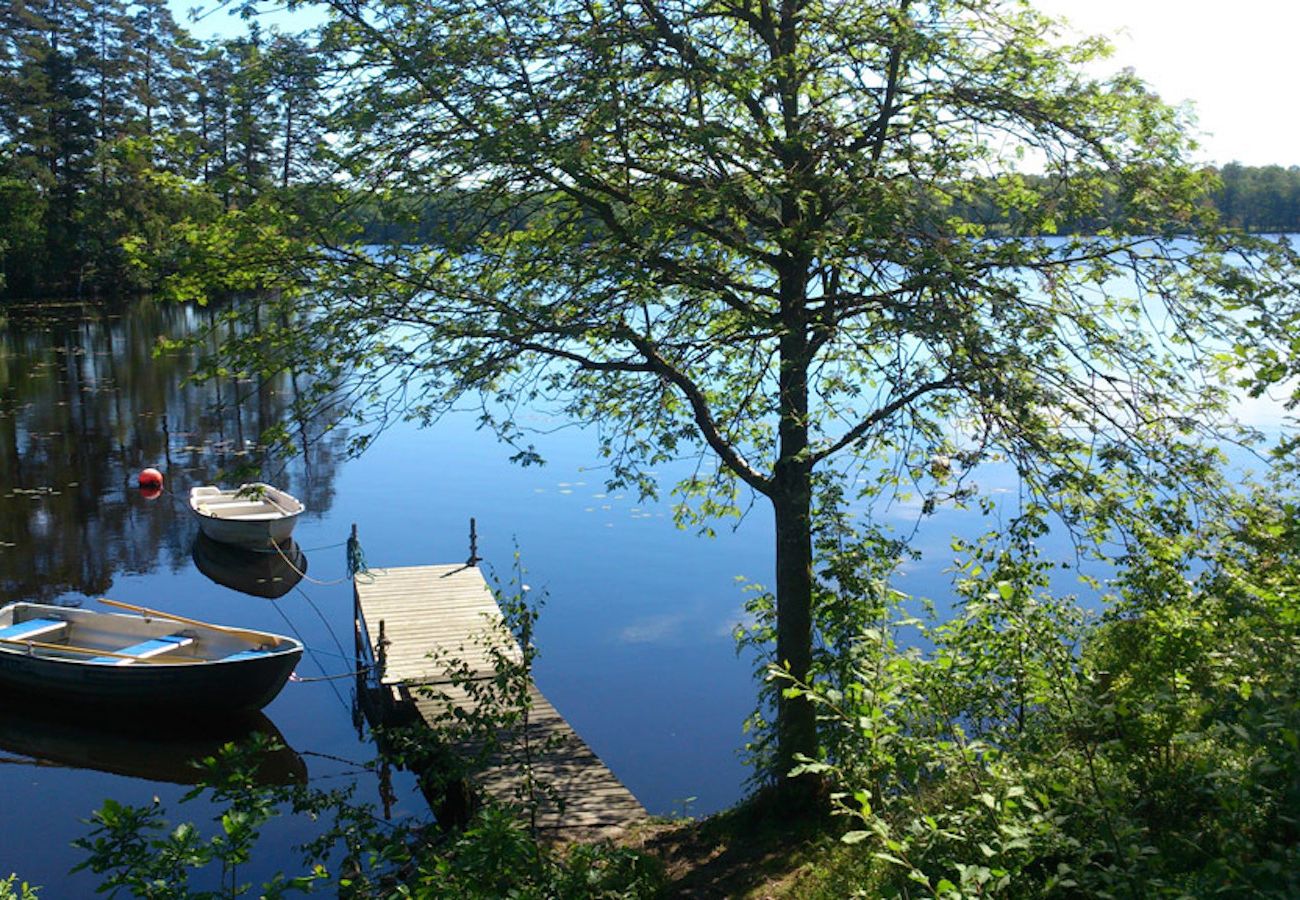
[{"x": 635, "y": 635}]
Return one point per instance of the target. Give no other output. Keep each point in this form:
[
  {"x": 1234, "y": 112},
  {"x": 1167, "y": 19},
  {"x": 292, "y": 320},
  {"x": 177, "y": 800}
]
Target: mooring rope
[
  {"x": 324, "y": 621},
  {"x": 353, "y": 674},
  {"x": 300, "y": 573},
  {"x": 324, "y": 547},
  {"x": 356, "y": 557},
  {"x": 311, "y": 651},
  {"x": 356, "y": 563}
]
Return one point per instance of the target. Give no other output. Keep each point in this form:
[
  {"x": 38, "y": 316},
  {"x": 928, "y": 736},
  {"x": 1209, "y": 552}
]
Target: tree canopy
[
  {"x": 117, "y": 126},
  {"x": 742, "y": 230}
]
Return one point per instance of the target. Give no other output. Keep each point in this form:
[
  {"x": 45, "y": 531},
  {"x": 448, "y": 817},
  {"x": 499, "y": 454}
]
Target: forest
[{"x": 116, "y": 125}]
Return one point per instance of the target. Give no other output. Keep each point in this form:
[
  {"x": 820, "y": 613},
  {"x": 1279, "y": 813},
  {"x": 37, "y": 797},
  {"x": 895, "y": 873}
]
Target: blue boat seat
[
  {"x": 146, "y": 649},
  {"x": 33, "y": 629},
  {"x": 243, "y": 654}
]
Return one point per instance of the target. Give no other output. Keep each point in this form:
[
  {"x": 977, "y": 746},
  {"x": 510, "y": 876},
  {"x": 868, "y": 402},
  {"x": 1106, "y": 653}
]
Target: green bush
[
  {"x": 12, "y": 889},
  {"x": 1025, "y": 747}
]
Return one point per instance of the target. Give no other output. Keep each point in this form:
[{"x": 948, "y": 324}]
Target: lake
[{"x": 635, "y": 635}]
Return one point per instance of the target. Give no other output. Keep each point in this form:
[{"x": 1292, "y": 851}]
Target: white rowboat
[{"x": 253, "y": 516}]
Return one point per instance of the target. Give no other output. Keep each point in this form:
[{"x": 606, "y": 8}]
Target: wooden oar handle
[{"x": 257, "y": 637}]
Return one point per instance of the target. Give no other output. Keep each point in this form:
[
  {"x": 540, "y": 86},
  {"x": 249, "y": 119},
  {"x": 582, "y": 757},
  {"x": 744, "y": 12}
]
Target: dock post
[
  {"x": 382, "y": 656},
  {"x": 358, "y": 713},
  {"x": 356, "y": 616},
  {"x": 474, "y": 558}
]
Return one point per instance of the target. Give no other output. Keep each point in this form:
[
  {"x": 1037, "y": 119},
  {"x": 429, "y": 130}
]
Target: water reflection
[
  {"x": 86, "y": 401},
  {"x": 268, "y": 575},
  {"x": 150, "y": 749}
]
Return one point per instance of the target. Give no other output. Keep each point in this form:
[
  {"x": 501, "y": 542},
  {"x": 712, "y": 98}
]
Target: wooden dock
[{"x": 411, "y": 622}]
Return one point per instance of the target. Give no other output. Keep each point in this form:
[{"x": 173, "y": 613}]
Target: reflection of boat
[
  {"x": 137, "y": 663},
  {"x": 252, "y": 515},
  {"x": 52, "y": 737},
  {"x": 269, "y": 575}
]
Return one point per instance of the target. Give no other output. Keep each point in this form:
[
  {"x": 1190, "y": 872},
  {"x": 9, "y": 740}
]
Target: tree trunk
[
  {"x": 288, "y": 141},
  {"x": 796, "y": 724},
  {"x": 796, "y": 727}
]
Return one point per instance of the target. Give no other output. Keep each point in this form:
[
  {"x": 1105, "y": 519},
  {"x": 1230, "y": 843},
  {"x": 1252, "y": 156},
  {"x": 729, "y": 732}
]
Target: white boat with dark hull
[
  {"x": 140, "y": 663},
  {"x": 253, "y": 516}
]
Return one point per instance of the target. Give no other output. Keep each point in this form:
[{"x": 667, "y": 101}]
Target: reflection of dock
[{"x": 413, "y": 620}]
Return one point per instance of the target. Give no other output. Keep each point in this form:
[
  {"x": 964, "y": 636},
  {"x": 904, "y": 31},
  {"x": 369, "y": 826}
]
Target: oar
[
  {"x": 271, "y": 500},
  {"x": 42, "y": 645},
  {"x": 257, "y": 637}
]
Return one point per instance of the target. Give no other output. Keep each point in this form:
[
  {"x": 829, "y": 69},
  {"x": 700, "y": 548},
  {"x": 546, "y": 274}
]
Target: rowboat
[
  {"x": 254, "y": 516},
  {"x": 269, "y": 575},
  {"x": 140, "y": 663}
]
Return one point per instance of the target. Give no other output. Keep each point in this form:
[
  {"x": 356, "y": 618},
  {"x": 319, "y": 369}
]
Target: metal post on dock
[
  {"x": 356, "y": 616},
  {"x": 382, "y": 655},
  {"x": 474, "y": 558},
  {"x": 358, "y": 713}
]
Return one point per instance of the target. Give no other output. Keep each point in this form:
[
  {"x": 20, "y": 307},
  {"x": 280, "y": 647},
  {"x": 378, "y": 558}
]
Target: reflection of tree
[{"x": 84, "y": 404}]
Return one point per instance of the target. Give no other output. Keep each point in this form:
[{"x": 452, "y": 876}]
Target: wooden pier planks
[
  {"x": 594, "y": 802},
  {"x": 427, "y": 611},
  {"x": 434, "y": 613}
]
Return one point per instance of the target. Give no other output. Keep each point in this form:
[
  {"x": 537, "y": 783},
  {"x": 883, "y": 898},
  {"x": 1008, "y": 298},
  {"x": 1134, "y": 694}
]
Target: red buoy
[
  {"x": 151, "y": 493},
  {"x": 150, "y": 479}
]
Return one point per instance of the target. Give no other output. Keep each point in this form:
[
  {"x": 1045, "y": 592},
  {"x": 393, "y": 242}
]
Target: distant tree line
[
  {"x": 1259, "y": 198},
  {"x": 1252, "y": 198},
  {"x": 116, "y": 124}
]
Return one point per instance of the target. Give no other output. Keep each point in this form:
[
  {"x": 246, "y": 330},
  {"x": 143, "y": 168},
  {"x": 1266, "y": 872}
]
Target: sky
[{"x": 1234, "y": 61}]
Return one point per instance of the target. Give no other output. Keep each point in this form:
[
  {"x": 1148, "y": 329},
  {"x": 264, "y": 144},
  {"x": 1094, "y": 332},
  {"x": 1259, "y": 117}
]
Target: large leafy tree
[{"x": 793, "y": 237}]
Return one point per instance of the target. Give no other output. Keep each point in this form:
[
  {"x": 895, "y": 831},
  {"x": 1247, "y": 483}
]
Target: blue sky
[{"x": 1234, "y": 62}]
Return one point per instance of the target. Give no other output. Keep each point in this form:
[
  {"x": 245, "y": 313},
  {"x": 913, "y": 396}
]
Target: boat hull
[
  {"x": 125, "y": 745},
  {"x": 260, "y": 537},
  {"x": 191, "y": 690},
  {"x": 269, "y": 575}
]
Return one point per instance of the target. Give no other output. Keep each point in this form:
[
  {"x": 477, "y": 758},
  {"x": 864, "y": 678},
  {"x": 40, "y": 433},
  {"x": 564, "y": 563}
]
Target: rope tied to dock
[
  {"x": 356, "y": 558},
  {"x": 298, "y": 679}
]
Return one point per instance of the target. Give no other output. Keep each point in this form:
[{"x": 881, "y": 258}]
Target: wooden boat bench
[
  {"x": 146, "y": 649},
  {"x": 33, "y": 629},
  {"x": 241, "y": 510},
  {"x": 243, "y": 654}
]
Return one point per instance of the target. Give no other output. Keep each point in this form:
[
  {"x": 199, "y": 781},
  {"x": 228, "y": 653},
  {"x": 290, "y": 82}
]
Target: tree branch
[
  {"x": 879, "y": 415},
  {"x": 703, "y": 416}
]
